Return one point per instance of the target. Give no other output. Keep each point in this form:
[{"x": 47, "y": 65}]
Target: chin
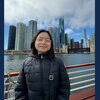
[{"x": 42, "y": 52}]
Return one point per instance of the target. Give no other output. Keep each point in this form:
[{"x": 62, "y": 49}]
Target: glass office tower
[{"x": 11, "y": 39}]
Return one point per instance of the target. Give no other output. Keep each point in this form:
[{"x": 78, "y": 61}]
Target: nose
[{"x": 43, "y": 41}]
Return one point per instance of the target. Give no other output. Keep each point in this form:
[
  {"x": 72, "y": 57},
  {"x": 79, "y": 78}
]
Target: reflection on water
[{"x": 12, "y": 63}]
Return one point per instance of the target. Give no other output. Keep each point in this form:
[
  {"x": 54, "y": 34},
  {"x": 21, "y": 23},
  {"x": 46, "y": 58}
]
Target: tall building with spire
[{"x": 11, "y": 39}]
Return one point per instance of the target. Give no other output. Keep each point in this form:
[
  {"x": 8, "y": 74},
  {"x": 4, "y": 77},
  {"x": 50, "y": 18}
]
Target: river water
[{"x": 12, "y": 63}]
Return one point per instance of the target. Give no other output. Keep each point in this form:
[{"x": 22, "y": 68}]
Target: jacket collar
[{"x": 40, "y": 56}]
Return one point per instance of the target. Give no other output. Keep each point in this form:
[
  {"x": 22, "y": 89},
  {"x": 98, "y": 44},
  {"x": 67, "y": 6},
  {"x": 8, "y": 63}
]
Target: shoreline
[
  {"x": 28, "y": 52},
  {"x": 12, "y": 52},
  {"x": 22, "y": 52}
]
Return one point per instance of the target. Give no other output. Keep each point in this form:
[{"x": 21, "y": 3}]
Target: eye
[
  {"x": 40, "y": 39},
  {"x": 47, "y": 40},
  {"x": 43, "y": 39}
]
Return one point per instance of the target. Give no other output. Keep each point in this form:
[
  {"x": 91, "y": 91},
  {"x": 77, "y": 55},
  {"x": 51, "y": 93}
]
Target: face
[{"x": 43, "y": 43}]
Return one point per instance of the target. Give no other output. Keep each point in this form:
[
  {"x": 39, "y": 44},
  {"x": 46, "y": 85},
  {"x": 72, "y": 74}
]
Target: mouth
[{"x": 43, "y": 46}]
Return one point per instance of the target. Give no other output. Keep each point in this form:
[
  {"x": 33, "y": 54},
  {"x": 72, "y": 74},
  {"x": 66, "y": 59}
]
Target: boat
[{"x": 82, "y": 81}]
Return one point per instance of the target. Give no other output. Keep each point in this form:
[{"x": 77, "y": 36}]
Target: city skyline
[
  {"x": 77, "y": 16},
  {"x": 24, "y": 36}
]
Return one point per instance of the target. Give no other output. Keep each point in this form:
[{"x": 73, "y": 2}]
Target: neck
[{"x": 41, "y": 53}]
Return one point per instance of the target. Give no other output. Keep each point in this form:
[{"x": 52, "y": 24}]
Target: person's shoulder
[
  {"x": 59, "y": 60},
  {"x": 28, "y": 60}
]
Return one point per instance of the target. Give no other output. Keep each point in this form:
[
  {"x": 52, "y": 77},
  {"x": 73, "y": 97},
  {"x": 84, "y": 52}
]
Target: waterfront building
[
  {"x": 85, "y": 39},
  {"x": 20, "y": 36},
  {"x": 63, "y": 46},
  {"x": 92, "y": 43},
  {"x": 72, "y": 44},
  {"x": 76, "y": 45},
  {"x": 82, "y": 42},
  {"x": 26, "y": 40},
  {"x": 56, "y": 37},
  {"x": 69, "y": 44},
  {"x": 66, "y": 39},
  {"x": 11, "y": 39},
  {"x": 88, "y": 43},
  {"x": 62, "y": 34},
  {"x": 31, "y": 30}
]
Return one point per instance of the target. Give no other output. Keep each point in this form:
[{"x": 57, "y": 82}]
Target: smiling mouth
[{"x": 43, "y": 46}]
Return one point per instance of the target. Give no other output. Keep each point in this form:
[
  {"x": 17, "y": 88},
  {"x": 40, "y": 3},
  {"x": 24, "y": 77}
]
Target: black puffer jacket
[{"x": 35, "y": 82}]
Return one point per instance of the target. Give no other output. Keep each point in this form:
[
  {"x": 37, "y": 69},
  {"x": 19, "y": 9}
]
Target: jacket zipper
[{"x": 41, "y": 68}]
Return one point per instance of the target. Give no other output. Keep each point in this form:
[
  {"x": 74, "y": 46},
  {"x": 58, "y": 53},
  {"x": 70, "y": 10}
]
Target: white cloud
[
  {"x": 78, "y": 13},
  {"x": 84, "y": 14},
  {"x": 68, "y": 31}
]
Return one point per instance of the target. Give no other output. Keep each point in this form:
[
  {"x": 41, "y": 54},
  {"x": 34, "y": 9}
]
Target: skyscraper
[
  {"x": 69, "y": 43},
  {"x": 76, "y": 45},
  {"x": 82, "y": 41},
  {"x": 26, "y": 40},
  {"x": 20, "y": 36},
  {"x": 56, "y": 37},
  {"x": 31, "y": 30},
  {"x": 11, "y": 39},
  {"x": 66, "y": 39},
  {"x": 72, "y": 44},
  {"x": 92, "y": 43},
  {"x": 85, "y": 39},
  {"x": 61, "y": 26}
]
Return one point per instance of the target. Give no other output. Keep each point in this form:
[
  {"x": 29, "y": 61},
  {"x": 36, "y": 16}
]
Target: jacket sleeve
[
  {"x": 21, "y": 87},
  {"x": 64, "y": 83}
]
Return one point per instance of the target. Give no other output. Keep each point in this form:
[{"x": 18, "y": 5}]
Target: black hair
[{"x": 50, "y": 52}]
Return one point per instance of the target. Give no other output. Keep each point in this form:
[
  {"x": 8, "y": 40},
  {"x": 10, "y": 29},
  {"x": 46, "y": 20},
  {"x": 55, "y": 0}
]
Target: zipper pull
[
  {"x": 51, "y": 77},
  {"x": 41, "y": 56}
]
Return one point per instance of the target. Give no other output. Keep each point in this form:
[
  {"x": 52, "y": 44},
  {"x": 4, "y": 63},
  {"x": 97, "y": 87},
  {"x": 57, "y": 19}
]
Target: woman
[{"x": 43, "y": 76}]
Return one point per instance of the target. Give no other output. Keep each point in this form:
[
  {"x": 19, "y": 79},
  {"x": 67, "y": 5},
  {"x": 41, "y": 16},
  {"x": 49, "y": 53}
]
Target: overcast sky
[{"x": 78, "y": 14}]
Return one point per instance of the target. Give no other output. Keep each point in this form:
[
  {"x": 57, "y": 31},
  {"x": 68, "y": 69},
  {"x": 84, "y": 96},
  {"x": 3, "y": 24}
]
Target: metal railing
[{"x": 82, "y": 77}]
